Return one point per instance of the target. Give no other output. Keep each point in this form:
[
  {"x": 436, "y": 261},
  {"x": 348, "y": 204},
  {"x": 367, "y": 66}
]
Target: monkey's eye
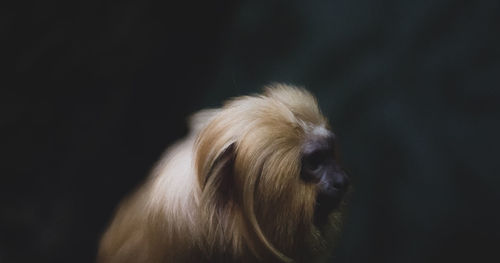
[{"x": 315, "y": 160}]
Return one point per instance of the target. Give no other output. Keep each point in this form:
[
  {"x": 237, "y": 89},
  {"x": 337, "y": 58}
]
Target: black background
[{"x": 92, "y": 92}]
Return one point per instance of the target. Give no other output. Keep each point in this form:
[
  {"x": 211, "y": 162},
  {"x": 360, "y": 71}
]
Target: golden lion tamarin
[{"x": 255, "y": 181}]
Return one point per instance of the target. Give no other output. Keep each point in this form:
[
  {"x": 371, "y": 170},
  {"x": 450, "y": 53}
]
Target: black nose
[
  {"x": 332, "y": 189},
  {"x": 334, "y": 184}
]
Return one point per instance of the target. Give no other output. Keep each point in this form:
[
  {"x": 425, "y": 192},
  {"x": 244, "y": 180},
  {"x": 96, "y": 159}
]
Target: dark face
[{"x": 320, "y": 167}]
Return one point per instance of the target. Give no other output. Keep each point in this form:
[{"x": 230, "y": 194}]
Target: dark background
[{"x": 92, "y": 92}]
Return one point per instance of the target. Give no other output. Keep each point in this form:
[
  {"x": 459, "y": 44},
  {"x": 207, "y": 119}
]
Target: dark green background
[{"x": 93, "y": 91}]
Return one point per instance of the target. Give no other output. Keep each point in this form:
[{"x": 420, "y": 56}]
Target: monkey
[{"x": 257, "y": 180}]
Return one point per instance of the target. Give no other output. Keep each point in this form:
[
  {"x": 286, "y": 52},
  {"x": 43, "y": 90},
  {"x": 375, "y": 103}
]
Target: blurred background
[{"x": 92, "y": 92}]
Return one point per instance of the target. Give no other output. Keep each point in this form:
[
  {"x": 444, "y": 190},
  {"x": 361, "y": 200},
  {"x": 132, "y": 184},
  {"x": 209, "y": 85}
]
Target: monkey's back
[{"x": 143, "y": 229}]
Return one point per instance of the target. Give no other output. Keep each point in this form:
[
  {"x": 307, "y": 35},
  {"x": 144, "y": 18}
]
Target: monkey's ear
[{"x": 217, "y": 178}]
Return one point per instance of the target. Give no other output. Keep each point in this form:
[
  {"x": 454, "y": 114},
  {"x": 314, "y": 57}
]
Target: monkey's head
[{"x": 267, "y": 169}]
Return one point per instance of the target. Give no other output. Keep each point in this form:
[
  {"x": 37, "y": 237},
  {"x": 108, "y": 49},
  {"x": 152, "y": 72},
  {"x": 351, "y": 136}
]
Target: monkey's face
[
  {"x": 320, "y": 167},
  {"x": 300, "y": 175}
]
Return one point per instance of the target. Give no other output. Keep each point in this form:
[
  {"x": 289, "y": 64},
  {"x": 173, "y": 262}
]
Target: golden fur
[{"x": 229, "y": 192}]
